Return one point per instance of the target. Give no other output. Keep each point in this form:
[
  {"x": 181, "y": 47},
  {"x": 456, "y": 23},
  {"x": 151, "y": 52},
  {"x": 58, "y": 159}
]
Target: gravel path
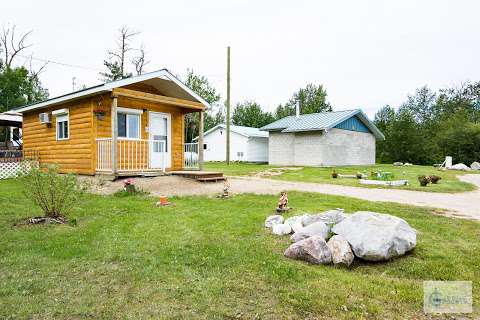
[{"x": 465, "y": 205}]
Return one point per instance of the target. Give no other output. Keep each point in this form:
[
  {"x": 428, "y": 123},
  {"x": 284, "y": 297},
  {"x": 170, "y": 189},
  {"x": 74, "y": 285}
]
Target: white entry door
[{"x": 160, "y": 129}]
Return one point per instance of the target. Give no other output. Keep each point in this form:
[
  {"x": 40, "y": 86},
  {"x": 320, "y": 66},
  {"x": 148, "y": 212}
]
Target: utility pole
[{"x": 228, "y": 106}]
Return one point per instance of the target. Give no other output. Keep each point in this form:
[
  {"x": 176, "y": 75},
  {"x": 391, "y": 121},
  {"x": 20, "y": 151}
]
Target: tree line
[{"x": 431, "y": 125}]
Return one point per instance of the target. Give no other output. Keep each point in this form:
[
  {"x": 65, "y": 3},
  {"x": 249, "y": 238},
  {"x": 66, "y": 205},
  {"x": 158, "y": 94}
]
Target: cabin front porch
[
  {"x": 143, "y": 134},
  {"x": 141, "y": 157}
]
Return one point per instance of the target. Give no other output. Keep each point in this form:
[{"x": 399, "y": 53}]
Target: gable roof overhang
[{"x": 170, "y": 85}]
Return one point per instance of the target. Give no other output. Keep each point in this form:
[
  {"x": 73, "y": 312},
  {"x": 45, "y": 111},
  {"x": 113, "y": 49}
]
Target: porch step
[
  {"x": 202, "y": 176},
  {"x": 152, "y": 174},
  {"x": 215, "y": 179}
]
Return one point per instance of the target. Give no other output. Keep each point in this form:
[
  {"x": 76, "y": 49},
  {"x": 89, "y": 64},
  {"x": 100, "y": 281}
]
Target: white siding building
[
  {"x": 323, "y": 139},
  {"x": 246, "y": 144}
]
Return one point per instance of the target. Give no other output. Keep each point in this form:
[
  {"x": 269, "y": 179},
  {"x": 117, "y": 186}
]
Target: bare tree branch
[
  {"x": 35, "y": 73},
  {"x": 117, "y": 58},
  {"x": 140, "y": 61},
  {"x": 11, "y": 46}
]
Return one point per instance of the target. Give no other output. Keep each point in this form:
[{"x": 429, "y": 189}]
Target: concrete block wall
[
  {"x": 344, "y": 147},
  {"x": 337, "y": 147},
  {"x": 281, "y": 148}
]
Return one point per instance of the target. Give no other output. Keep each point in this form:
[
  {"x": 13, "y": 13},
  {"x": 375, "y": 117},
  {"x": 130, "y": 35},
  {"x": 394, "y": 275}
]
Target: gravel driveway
[{"x": 465, "y": 205}]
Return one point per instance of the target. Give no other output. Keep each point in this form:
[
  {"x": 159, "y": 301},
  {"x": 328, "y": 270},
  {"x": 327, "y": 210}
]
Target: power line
[{"x": 60, "y": 63}]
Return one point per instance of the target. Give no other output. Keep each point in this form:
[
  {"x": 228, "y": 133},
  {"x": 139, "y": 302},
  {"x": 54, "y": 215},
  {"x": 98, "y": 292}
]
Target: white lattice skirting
[{"x": 15, "y": 169}]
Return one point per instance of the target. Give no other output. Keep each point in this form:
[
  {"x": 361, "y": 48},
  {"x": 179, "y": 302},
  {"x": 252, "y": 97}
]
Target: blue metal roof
[{"x": 321, "y": 121}]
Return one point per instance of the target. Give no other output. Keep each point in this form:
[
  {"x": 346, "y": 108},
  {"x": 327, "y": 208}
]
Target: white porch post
[
  {"x": 114, "y": 134},
  {"x": 200, "y": 141}
]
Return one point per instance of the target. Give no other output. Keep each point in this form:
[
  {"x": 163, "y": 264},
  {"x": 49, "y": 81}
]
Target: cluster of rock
[
  {"x": 334, "y": 237},
  {"x": 401, "y": 164},
  {"x": 475, "y": 165},
  {"x": 461, "y": 166}
]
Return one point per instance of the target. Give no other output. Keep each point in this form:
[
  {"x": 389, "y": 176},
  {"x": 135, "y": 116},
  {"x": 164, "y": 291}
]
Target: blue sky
[{"x": 366, "y": 53}]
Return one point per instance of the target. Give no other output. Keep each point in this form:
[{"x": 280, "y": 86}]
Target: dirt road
[{"x": 466, "y": 204}]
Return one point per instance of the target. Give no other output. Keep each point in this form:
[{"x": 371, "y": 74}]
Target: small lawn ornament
[
  {"x": 334, "y": 174},
  {"x": 283, "y": 202},
  {"x": 163, "y": 201},
  {"x": 226, "y": 190}
]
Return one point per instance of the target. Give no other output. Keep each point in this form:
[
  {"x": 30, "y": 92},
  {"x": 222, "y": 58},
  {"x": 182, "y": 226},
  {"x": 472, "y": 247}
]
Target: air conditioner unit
[{"x": 44, "y": 117}]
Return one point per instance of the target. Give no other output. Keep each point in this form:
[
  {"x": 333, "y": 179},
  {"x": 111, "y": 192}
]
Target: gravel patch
[{"x": 459, "y": 205}]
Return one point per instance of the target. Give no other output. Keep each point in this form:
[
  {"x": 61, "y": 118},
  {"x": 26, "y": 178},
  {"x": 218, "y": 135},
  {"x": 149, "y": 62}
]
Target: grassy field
[
  {"x": 212, "y": 259},
  {"x": 449, "y": 182}
]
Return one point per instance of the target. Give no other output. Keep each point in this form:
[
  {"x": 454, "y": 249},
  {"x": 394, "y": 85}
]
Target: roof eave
[
  {"x": 108, "y": 87},
  {"x": 303, "y": 130},
  {"x": 63, "y": 99}
]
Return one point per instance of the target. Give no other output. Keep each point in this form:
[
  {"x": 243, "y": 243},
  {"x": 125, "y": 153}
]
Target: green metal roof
[{"x": 320, "y": 121}]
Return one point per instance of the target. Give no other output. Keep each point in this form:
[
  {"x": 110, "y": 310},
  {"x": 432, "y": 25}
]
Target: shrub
[
  {"x": 434, "y": 179},
  {"x": 423, "y": 180},
  {"x": 56, "y": 194}
]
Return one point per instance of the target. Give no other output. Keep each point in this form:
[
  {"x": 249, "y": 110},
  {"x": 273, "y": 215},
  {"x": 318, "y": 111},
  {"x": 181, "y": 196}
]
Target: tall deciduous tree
[
  {"x": 250, "y": 114},
  {"x": 429, "y": 126},
  {"x": 312, "y": 99},
  {"x": 213, "y": 115},
  {"x": 18, "y": 85}
]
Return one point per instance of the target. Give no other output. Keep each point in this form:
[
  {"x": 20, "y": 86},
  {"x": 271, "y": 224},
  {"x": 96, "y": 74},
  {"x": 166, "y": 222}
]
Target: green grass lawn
[
  {"x": 449, "y": 182},
  {"x": 212, "y": 259}
]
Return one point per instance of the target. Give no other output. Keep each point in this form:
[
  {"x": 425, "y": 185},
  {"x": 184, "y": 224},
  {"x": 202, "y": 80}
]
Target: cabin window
[
  {"x": 128, "y": 125},
  {"x": 62, "y": 127}
]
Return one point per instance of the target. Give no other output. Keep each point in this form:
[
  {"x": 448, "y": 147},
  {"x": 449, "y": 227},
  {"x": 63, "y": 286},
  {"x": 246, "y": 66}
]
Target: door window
[
  {"x": 159, "y": 146},
  {"x": 161, "y": 134}
]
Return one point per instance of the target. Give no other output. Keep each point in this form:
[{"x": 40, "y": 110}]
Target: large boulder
[
  {"x": 475, "y": 165},
  {"x": 315, "y": 229},
  {"x": 341, "y": 251},
  {"x": 375, "y": 236},
  {"x": 272, "y": 220},
  {"x": 313, "y": 250},
  {"x": 296, "y": 222},
  {"x": 460, "y": 166},
  {"x": 330, "y": 217},
  {"x": 281, "y": 229}
]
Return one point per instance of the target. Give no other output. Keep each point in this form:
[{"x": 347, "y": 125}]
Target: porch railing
[
  {"x": 136, "y": 155},
  {"x": 132, "y": 155},
  {"x": 190, "y": 158},
  {"x": 18, "y": 155}
]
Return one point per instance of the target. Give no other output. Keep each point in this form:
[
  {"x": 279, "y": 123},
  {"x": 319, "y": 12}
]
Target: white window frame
[
  {"x": 61, "y": 115},
  {"x": 130, "y": 112}
]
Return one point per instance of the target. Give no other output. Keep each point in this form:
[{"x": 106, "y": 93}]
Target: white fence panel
[
  {"x": 190, "y": 156},
  {"x": 15, "y": 169}
]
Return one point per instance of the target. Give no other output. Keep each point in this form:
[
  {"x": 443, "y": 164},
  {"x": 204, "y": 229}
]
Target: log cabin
[{"x": 133, "y": 126}]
